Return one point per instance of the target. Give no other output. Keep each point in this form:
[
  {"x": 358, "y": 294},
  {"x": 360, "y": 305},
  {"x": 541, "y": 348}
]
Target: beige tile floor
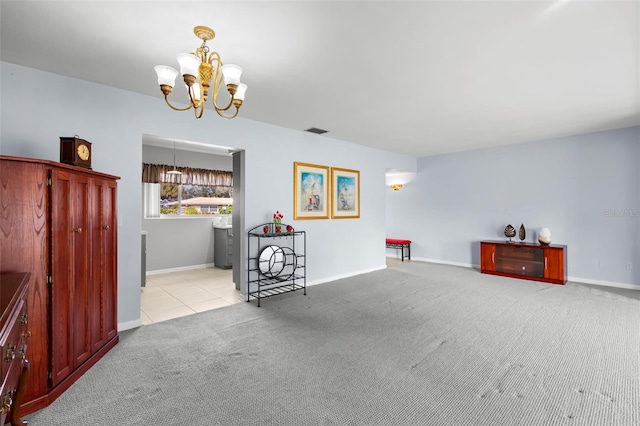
[{"x": 176, "y": 294}]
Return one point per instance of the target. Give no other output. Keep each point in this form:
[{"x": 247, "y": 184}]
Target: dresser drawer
[
  {"x": 13, "y": 344},
  {"x": 13, "y": 340},
  {"x": 8, "y": 389}
]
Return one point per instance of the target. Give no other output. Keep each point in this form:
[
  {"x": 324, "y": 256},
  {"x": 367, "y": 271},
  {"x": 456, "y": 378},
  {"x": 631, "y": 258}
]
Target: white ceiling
[{"x": 420, "y": 77}]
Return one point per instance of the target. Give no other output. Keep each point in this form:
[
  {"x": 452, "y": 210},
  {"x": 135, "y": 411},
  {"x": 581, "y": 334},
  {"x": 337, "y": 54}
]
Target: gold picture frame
[
  {"x": 310, "y": 191},
  {"x": 345, "y": 193}
]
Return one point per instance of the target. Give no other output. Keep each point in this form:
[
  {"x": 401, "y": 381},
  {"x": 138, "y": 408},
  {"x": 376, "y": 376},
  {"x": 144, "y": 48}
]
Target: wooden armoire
[{"x": 59, "y": 223}]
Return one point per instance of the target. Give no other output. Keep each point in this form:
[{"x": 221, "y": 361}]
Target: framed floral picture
[
  {"x": 310, "y": 191},
  {"x": 345, "y": 193}
]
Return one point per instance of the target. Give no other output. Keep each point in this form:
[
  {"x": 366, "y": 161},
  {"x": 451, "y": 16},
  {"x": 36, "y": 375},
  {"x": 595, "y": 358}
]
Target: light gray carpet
[{"x": 419, "y": 344}]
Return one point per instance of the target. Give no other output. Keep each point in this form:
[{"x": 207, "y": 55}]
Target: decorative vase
[
  {"x": 289, "y": 228},
  {"x": 278, "y": 228},
  {"x": 509, "y": 232},
  {"x": 265, "y": 229},
  {"x": 522, "y": 233},
  {"x": 544, "y": 237}
]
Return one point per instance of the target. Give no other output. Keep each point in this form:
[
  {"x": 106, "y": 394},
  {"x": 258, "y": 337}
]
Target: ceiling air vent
[{"x": 316, "y": 130}]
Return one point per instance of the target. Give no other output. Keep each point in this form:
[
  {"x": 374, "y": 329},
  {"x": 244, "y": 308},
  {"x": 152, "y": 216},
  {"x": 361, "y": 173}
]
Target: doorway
[{"x": 182, "y": 276}]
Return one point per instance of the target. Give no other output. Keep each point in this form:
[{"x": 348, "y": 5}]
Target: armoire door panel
[
  {"x": 82, "y": 278},
  {"x": 62, "y": 256},
  {"x": 96, "y": 294},
  {"x": 110, "y": 269}
]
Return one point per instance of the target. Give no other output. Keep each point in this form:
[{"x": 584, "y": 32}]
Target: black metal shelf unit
[{"x": 277, "y": 261}]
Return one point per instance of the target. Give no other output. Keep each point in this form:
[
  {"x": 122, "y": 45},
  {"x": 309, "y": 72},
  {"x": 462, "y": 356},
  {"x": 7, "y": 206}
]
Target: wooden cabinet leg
[{"x": 22, "y": 385}]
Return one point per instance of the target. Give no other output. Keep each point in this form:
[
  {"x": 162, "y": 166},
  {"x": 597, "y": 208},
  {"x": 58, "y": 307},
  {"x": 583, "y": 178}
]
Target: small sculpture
[
  {"x": 522, "y": 233},
  {"x": 544, "y": 237},
  {"x": 509, "y": 232}
]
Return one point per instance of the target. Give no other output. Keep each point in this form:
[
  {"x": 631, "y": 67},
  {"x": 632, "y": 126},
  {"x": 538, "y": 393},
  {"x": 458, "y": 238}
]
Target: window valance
[{"x": 158, "y": 173}]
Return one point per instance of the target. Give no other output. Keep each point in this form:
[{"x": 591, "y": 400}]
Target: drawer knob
[
  {"x": 78, "y": 230},
  {"x": 26, "y": 333},
  {"x": 24, "y": 317},
  {"x": 10, "y": 354},
  {"x": 6, "y": 402},
  {"x": 105, "y": 227},
  {"x": 22, "y": 353}
]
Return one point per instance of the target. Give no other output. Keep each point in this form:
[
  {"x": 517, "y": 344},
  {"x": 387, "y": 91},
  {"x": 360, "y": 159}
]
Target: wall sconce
[{"x": 396, "y": 179}]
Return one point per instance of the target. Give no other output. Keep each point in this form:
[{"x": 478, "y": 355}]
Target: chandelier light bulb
[
  {"x": 166, "y": 75},
  {"x": 195, "y": 92},
  {"x": 240, "y": 91},
  {"x": 188, "y": 64},
  {"x": 231, "y": 74}
]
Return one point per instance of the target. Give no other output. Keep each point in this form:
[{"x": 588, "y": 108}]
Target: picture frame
[
  {"x": 345, "y": 193},
  {"x": 310, "y": 191}
]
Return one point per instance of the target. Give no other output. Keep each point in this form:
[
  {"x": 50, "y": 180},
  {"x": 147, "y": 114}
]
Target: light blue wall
[
  {"x": 585, "y": 188},
  {"x": 203, "y": 160},
  {"x": 38, "y": 107}
]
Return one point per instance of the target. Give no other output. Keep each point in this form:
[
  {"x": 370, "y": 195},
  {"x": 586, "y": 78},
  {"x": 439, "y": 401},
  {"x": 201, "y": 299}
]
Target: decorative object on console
[
  {"x": 199, "y": 69},
  {"x": 277, "y": 220},
  {"x": 277, "y": 262},
  {"x": 396, "y": 186},
  {"x": 289, "y": 228},
  {"x": 509, "y": 232},
  {"x": 265, "y": 229},
  {"x": 544, "y": 237},
  {"x": 75, "y": 151},
  {"x": 522, "y": 233}
]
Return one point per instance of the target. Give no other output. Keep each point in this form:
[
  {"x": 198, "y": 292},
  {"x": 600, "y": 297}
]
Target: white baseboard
[
  {"x": 445, "y": 262},
  {"x": 603, "y": 283},
  {"x": 572, "y": 279},
  {"x": 180, "y": 268},
  {"x": 338, "y": 277},
  {"x": 122, "y": 326}
]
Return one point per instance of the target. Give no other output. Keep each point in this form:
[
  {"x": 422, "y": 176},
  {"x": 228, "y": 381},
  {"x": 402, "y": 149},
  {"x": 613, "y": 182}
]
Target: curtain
[{"x": 158, "y": 173}]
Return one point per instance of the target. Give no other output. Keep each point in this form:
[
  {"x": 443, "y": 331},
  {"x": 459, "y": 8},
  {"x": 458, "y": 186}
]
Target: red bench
[{"x": 400, "y": 244}]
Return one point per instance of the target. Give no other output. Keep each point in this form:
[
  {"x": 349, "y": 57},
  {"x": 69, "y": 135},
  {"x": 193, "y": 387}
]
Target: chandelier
[{"x": 200, "y": 70}]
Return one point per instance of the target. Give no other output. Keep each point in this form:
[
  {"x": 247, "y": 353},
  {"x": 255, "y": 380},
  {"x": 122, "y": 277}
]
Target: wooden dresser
[
  {"x": 13, "y": 344},
  {"x": 58, "y": 222}
]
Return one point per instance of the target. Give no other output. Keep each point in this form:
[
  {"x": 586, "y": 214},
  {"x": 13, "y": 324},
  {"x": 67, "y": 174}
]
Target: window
[
  {"x": 195, "y": 192},
  {"x": 185, "y": 200}
]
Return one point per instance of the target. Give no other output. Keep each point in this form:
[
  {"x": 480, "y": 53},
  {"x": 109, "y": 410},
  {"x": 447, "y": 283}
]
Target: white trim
[
  {"x": 569, "y": 279},
  {"x": 122, "y": 326},
  {"x": 445, "y": 262},
  {"x": 338, "y": 277},
  {"x": 180, "y": 268},
  {"x": 603, "y": 283}
]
